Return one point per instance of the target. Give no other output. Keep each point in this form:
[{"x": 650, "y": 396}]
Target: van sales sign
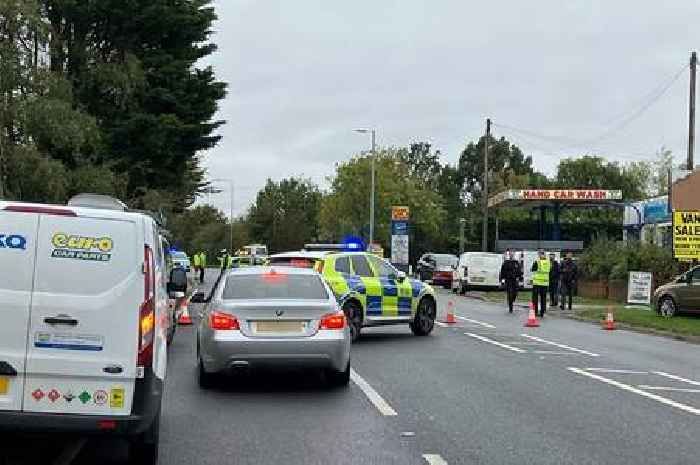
[{"x": 686, "y": 235}]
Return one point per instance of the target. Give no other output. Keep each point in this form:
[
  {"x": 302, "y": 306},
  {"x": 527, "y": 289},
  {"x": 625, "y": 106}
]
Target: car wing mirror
[{"x": 400, "y": 276}]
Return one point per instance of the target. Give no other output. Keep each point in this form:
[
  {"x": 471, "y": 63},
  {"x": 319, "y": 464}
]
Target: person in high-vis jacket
[
  {"x": 202, "y": 265},
  {"x": 540, "y": 282},
  {"x": 195, "y": 263}
]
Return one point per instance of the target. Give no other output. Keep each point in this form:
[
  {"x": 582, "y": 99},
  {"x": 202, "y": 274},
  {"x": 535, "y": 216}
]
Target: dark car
[
  {"x": 437, "y": 268},
  {"x": 680, "y": 295}
]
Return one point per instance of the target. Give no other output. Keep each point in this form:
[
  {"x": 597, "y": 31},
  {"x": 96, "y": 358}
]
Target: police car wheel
[
  {"x": 354, "y": 316},
  {"x": 424, "y": 321}
]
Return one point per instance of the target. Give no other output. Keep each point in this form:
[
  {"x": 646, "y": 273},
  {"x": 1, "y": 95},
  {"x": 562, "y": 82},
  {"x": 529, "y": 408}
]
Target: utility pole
[
  {"x": 462, "y": 221},
  {"x": 371, "y": 202},
  {"x": 485, "y": 192},
  {"x": 691, "y": 112}
]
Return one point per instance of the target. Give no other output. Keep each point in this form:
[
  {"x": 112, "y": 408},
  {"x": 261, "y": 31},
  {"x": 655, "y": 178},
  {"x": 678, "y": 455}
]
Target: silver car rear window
[{"x": 275, "y": 286}]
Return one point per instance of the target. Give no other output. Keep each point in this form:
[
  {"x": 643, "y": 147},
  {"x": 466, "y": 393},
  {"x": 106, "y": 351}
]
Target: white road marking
[
  {"x": 373, "y": 396},
  {"x": 614, "y": 370},
  {"x": 434, "y": 459},
  {"x": 561, "y": 346},
  {"x": 552, "y": 352},
  {"x": 476, "y": 322},
  {"x": 677, "y": 378},
  {"x": 441, "y": 324},
  {"x": 627, "y": 387},
  {"x": 496, "y": 343},
  {"x": 666, "y": 388}
]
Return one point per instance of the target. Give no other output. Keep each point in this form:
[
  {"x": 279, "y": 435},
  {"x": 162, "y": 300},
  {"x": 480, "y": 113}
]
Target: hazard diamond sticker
[
  {"x": 38, "y": 394},
  {"x": 54, "y": 395}
]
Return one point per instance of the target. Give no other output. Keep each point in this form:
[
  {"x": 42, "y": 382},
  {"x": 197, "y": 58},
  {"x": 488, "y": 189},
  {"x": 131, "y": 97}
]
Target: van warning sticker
[
  {"x": 77, "y": 247},
  {"x": 116, "y": 397},
  {"x": 66, "y": 341}
]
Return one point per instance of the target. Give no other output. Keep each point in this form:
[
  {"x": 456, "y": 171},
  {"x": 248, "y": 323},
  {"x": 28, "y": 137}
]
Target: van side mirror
[
  {"x": 178, "y": 282},
  {"x": 198, "y": 298}
]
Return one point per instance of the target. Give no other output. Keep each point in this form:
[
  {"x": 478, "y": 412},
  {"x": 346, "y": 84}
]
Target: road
[{"x": 483, "y": 391}]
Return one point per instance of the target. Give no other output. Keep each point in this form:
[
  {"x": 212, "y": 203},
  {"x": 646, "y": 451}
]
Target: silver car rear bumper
[{"x": 224, "y": 351}]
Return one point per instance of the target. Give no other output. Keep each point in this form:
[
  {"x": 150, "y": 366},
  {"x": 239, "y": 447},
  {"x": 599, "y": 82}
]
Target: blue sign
[
  {"x": 399, "y": 228},
  {"x": 656, "y": 211},
  {"x": 13, "y": 241}
]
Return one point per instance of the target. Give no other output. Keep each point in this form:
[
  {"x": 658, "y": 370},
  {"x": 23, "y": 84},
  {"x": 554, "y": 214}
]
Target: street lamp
[
  {"x": 371, "y": 196},
  {"x": 230, "y": 183}
]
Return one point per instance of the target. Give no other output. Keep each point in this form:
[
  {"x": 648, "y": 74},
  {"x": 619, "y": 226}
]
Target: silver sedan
[{"x": 263, "y": 316}]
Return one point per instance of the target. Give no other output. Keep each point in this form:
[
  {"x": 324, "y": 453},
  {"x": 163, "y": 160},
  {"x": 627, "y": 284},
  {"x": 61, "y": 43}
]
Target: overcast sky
[{"x": 572, "y": 77}]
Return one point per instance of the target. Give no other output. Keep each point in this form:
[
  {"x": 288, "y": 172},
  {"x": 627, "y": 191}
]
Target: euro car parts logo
[
  {"x": 82, "y": 247},
  {"x": 13, "y": 241}
]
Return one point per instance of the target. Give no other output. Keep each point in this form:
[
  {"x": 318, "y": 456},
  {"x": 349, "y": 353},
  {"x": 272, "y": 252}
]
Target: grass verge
[{"x": 645, "y": 319}]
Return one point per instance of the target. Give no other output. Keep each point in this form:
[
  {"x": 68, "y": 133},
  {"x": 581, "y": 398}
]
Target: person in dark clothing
[
  {"x": 569, "y": 274},
  {"x": 553, "y": 280},
  {"x": 510, "y": 275}
]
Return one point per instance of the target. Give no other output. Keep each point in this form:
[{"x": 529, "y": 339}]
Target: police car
[{"x": 373, "y": 293}]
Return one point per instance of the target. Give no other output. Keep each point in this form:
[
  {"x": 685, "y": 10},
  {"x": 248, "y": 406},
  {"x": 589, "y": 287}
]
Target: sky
[{"x": 558, "y": 78}]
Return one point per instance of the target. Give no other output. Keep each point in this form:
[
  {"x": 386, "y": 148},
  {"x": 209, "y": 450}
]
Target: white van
[
  {"x": 83, "y": 306},
  {"x": 479, "y": 270}
]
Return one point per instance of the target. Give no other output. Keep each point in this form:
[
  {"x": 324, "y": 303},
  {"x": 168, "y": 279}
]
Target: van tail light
[
  {"x": 333, "y": 321},
  {"x": 223, "y": 321},
  {"x": 147, "y": 313},
  {"x": 40, "y": 210}
]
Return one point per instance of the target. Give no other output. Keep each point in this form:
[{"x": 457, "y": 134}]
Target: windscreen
[
  {"x": 445, "y": 260},
  {"x": 275, "y": 286}
]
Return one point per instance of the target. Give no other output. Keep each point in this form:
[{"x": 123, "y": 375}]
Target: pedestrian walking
[
  {"x": 202, "y": 265},
  {"x": 195, "y": 263},
  {"x": 569, "y": 275},
  {"x": 510, "y": 275},
  {"x": 540, "y": 282},
  {"x": 553, "y": 281}
]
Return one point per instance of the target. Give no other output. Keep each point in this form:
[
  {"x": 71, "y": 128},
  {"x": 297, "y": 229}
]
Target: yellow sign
[
  {"x": 65, "y": 241},
  {"x": 116, "y": 397},
  {"x": 4, "y": 385},
  {"x": 686, "y": 235},
  {"x": 399, "y": 213}
]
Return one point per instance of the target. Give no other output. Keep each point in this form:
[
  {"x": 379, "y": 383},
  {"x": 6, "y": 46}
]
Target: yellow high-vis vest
[{"x": 541, "y": 276}]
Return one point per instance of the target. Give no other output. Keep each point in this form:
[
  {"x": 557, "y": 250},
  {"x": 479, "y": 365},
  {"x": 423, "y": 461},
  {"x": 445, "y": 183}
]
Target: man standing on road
[
  {"x": 569, "y": 274},
  {"x": 202, "y": 265},
  {"x": 553, "y": 280},
  {"x": 509, "y": 277},
  {"x": 195, "y": 264},
  {"x": 540, "y": 282}
]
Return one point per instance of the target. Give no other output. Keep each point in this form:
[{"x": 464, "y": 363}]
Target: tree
[
  {"x": 345, "y": 210},
  {"x": 592, "y": 172},
  {"x": 285, "y": 214}
]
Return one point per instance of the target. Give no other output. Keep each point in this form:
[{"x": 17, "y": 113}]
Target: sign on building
[
  {"x": 639, "y": 288},
  {"x": 686, "y": 235}
]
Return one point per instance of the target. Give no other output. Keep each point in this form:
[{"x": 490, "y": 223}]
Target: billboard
[
  {"x": 686, "y": 235},
  {"x": 399, "y": 235}
]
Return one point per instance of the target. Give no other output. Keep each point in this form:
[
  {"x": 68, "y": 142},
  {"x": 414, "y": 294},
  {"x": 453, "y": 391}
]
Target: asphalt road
[{"x": 566, "y": 393}]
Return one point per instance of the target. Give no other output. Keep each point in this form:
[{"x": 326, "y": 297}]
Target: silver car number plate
[{"x": 279, "y": 326}]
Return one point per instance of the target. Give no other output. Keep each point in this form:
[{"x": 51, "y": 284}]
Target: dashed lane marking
[
  {"x": 434, "y": 459},
  {"x": 561, "y": 346},
  {"x": 677, "y": 378},
  {"x": 373, "y": 396},
  {"x": 496, "y": 343},
  {"x": 667, "y": 388},
  {"x": 627, "y": 387},
  {"x": 476, "y": 322},
  {"x": 615, "y": 370}
]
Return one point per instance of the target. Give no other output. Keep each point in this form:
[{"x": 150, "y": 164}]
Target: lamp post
[
  {"x": 371, "y": 195},
  {"x": 230, "y": 183}
]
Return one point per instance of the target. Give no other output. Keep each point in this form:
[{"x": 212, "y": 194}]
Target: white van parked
[
  {"x": 479, "y": 270},
  {"x": 84, "y": 311}
]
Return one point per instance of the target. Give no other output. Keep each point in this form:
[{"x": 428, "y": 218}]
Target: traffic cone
[
  {"x": 185, "y": 318},
  {"x": 450, "y": 317},
  {"x": 609, "y": 323},
  {"x": 532, "y": 318}
]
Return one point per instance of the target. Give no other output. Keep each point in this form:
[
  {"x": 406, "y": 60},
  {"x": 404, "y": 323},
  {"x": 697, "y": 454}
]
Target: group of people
[
  {"x": 199, "y": 263},
  {"x": 548, "y": 277}
]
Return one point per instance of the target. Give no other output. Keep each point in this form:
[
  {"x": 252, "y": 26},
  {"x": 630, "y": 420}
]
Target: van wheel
[
  {"x": 354, "y": 316},
  {"x": 143, "y": 449},
  {"x": 338, "y": 378},
  {"x": 205, "y": 380},
  {"x": 424, "y": 321}
]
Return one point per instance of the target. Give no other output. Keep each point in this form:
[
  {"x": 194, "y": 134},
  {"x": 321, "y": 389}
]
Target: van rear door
[
  {"x": 84, "y": 317},
  {"x": 17, "y": 248}
]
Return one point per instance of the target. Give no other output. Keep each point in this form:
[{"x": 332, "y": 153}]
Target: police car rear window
[
  {"x": 275, "y": 286},
  {"x": 361, "y": 267}
]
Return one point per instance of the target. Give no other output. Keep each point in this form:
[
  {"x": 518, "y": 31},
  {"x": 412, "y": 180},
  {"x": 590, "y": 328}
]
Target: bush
[{"x": 605, "y": 260}]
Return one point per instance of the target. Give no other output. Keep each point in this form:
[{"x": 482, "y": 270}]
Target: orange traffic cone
[
  {"x": 450, "y": 317},
  {"x": 532, "y": 318},
  {"x": 185, "y": 318},
  {"x": 609, "y": 323}
]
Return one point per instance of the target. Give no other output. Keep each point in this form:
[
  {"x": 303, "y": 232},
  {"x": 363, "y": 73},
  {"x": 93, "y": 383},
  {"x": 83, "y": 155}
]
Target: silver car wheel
[{"x": 668, "y": 307}]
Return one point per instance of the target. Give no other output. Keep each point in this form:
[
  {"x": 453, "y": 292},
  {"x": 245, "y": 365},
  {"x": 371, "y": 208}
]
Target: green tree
[
  {"x": 592, "y": 172},
  {"x": 285, "y": 214}
]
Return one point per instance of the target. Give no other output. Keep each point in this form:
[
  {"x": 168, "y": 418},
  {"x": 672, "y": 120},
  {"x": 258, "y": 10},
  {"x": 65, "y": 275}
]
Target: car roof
[{"x": 259, "y": 270}]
